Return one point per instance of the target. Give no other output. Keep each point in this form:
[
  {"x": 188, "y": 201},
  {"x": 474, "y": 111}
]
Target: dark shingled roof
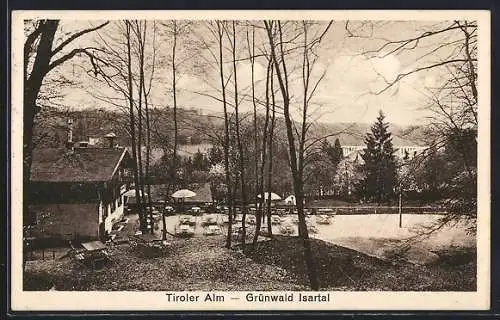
[{"x": 82, "y": 164}]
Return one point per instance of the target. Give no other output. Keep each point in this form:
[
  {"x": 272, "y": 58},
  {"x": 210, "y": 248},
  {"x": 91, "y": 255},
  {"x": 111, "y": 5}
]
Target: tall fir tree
[
  {"x": 379, "y": 166},
  {"x": 334, "y": 153},
  {"x": 337, "y": 152}
]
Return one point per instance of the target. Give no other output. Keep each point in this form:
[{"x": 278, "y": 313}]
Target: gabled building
[{"x": 77, "y": 192}]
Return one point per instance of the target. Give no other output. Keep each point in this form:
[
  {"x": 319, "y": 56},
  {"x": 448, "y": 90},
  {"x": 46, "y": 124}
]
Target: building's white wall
[
  {"x": 347, "y": 150},
  {"x": 400, "y": 150},
  {"x": 101, "y": 210},
  {"x": 412, "y": 151},
  {"x": 114, "y": 216}
]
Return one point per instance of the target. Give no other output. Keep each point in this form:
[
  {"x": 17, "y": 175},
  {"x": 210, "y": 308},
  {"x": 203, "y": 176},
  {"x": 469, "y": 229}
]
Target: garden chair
[
  {"x": 74, "y": 250},
  {"x": 80, "y": 259},
  {"x": 78, "y": 254}
]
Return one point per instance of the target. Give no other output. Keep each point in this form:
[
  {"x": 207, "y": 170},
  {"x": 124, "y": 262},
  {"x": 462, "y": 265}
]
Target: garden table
[
  {"x": 94, "y": 246},
  {"x": 95, "y": 252}
]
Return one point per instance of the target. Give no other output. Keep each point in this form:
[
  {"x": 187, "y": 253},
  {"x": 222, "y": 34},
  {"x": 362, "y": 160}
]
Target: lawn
[
  {"x": 340, "y": 268},
  {"x": 202, "y": 263}
]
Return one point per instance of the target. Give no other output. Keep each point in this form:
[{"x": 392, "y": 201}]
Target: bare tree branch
[{"x": 75, "y": 36}]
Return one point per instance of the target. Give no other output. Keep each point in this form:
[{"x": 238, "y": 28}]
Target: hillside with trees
[{"x": 198, "y": 127}]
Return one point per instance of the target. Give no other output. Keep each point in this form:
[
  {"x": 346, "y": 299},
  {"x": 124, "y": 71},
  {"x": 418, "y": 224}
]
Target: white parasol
[
  {"x": 183, "y": 193},
  {"x": 274, "y": 196}
]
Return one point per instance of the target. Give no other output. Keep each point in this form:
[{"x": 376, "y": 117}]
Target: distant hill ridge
[
  {"x": 195, "y": 128},
  {"x": 353, "y": 134}
]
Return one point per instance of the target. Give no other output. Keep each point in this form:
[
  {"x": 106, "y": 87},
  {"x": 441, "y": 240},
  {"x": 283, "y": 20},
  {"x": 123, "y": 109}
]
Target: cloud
[
  {"x": 388, "y": 67},
  {"x": 347, "y": 92},
  {"x": 245, "y": 74}
]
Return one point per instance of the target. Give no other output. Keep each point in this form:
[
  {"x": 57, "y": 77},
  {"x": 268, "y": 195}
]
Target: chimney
[
  {"x": 110, "y": 139},
  {"x": 69, "y": 143}
]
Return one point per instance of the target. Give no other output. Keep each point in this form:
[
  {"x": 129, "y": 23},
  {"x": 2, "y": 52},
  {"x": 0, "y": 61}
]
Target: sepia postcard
[{"x": 250, "y": 160}]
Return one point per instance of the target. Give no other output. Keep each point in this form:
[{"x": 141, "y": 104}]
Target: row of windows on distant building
[{"x": 403, "y": 152}]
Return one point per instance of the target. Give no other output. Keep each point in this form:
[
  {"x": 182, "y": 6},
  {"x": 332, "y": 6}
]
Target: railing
[
  {"x": 340, "y": 210},
  {"x": 40, "y": 254},
  {"x": 380, "y": 210},
  {"x": 351, "y": 210}
]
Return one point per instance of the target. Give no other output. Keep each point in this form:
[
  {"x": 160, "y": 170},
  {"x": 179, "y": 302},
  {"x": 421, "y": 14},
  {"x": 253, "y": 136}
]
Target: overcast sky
[{"x": 344, "y": 95}]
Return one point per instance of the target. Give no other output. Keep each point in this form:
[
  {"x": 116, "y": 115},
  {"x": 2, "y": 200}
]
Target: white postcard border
[{"x": 156, "y": 301}]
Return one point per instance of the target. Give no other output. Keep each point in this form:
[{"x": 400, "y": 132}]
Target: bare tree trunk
[
  {"x": 305, "y": 81},
  {"x": 260, "y": 177},
  {"x": 139, "y": 157},
  {"x": 220, "y": 33},
  {"x": 138, "y": 199},
  {"x": 29, "y": 106},
  {"x": 241, "y": 156},
  {"x": 140, "y": 128},
  {"x": 270, "y": 167},
  {"x": 251, "y": 53},
  {"x": 148, "y": 159},
  {"x": 296, "y": 167},
  {"x": 32, "y": 85},
  {"x": 174, "y": 92},
  {"x": 148, "y": 124}
]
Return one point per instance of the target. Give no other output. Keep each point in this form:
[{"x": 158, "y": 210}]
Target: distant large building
[
  {"x": 349, "y": 150},
  {"x": 401, "y": 152},
  {"x": 347, "y": 176},
  {"x": 409, "y": 152}
]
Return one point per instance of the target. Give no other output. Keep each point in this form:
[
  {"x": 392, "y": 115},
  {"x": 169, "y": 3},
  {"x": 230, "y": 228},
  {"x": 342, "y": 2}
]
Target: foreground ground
[{"x": 204, "y": 264}]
